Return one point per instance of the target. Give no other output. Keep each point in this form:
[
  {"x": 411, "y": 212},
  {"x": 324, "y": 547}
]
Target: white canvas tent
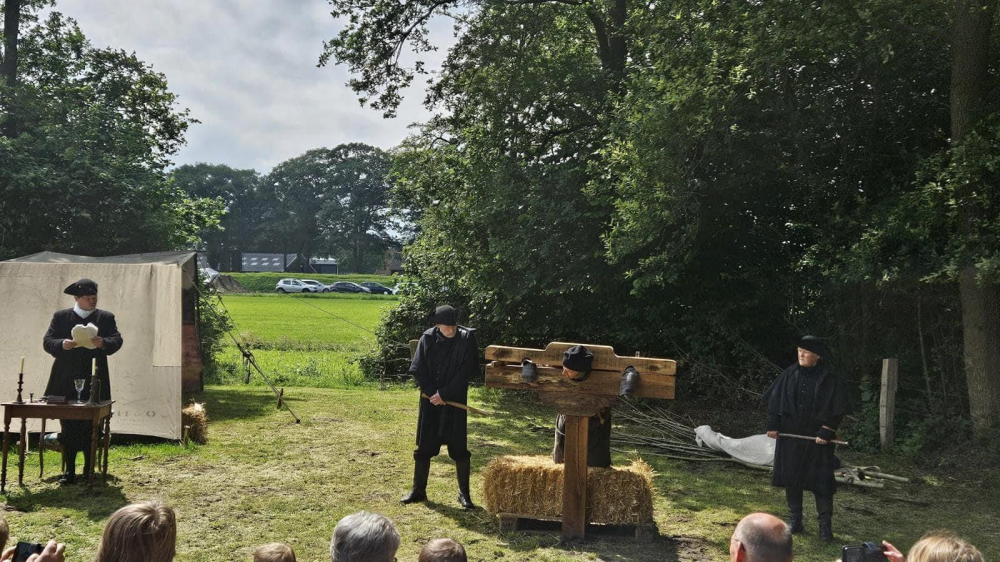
[{"x": 146, "y": 294}]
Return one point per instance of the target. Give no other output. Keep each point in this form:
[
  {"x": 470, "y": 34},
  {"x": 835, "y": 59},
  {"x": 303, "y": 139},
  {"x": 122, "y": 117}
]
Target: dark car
[
  {"x": 348, "y": 287},
  {"x": 377, "y": 288}
]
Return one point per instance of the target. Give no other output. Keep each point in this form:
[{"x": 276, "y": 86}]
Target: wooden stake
[
  {"x": 887, "y": 403},
  {"x": 574, "y": 512}
]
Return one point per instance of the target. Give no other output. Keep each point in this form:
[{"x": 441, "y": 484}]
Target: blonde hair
[
  {"x": 442, "y": 550},
  {"x": 274, "y": 552},
  {"x": 943, "y": 546},
  {"x": 141, "y": 532}
]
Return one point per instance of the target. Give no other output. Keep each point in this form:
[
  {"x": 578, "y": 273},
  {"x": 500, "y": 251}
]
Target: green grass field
[
  {"x": 265, "y": 282},
  {"x": 263, "y": 478},
  {"x": 302, "y": 340}
]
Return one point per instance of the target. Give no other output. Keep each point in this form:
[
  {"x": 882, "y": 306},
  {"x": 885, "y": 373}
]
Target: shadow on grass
[
  {"x": 98, "y": 504},
  {"x": 231, "y": 404}
]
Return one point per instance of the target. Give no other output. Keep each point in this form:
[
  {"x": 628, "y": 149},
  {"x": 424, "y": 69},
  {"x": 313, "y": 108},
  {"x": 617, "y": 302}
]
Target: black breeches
[
  {"x": 75, "y": 435},
  {"x": 430, "y": 448}
]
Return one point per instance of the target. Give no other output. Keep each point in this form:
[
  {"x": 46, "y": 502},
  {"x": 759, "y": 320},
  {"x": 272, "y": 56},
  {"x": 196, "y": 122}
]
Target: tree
[
  {"x": 355, "y": 218},
  {"x": 85, "y": 172},
  {"x": 292, "y": 195},
  {"x": 237, "y": 191}
]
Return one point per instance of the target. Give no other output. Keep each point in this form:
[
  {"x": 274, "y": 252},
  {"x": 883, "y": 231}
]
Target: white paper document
[{"x": 83, "y": 335}]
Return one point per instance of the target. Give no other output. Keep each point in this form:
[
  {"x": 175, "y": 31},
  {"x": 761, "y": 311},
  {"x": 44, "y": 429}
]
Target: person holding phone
[{"x": 73, "y": 362}]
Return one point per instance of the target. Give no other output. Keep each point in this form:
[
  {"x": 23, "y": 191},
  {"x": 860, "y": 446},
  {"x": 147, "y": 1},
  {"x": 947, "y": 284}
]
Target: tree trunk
[
  {"x": 8, "y": 64},
  {"x": 980, "y": 300}
]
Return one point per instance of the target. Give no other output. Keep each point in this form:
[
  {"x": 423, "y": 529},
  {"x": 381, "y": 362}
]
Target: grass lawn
[{"x": 263, "y": 478}]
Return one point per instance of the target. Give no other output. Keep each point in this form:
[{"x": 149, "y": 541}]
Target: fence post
[{"x": 887, "y": 403}]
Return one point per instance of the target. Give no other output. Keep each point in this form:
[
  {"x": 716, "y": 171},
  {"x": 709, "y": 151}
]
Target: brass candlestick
[{"x": 20, "y": 382}]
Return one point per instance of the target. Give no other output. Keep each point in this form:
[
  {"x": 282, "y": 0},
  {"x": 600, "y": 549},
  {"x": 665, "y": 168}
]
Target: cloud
[{"x": 247, "y": 70}]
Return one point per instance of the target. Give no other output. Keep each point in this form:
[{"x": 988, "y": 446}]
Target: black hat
[
  {"x": 578, "y": 358},
  {"x": 81, "y": 288},
  {"x": 815, "y": 345},
  {"x": 444, "y": 314}
]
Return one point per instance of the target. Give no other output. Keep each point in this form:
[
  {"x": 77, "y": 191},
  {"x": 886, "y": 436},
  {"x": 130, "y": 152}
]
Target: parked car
[
  {"x": 315, "y": 286},
  {"x": 377, "y": 288},
  {"x": 348, "y": 287},
  {"x": 291, "y": 286}
]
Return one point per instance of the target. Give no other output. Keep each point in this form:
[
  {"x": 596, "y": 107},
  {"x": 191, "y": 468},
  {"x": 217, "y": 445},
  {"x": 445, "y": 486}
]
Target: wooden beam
[
  {"x": 574, "y": 512},
  {"x": 608, "y": 383},
  {"x": 604, "y": 358},
  {"x": 887, "y": 403}
]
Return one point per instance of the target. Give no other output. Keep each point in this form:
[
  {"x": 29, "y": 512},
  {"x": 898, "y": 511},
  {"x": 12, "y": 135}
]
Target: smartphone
[{"x": 25, "y": 550}]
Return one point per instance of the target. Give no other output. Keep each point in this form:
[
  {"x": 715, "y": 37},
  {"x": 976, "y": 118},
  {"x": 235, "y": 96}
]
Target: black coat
[
  {"x": 76, "y": 363},
  {"x": 445, "y": 367},
  {"x": 801, "y": 401}
]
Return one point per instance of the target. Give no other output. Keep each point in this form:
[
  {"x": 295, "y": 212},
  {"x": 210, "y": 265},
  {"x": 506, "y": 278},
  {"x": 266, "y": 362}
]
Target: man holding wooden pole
[
  {"x": 446, "y": 358},
  {"x": 806, "y": 399}
]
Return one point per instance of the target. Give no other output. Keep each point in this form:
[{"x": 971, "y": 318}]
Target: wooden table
[{"x": 95, "y": 413}]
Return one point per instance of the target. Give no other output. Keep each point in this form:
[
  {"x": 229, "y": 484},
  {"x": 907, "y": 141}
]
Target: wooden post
[
  {"x": 887, "y": 403},
  {"x": 574, "y": 504},
  {"x": 281, "y": 396}
]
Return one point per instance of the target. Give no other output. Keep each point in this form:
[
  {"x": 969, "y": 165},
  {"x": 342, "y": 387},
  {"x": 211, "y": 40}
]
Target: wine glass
[{"x": 78, "y": 383}]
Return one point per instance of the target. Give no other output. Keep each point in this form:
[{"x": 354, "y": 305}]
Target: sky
[{"x": 247, "y": 71}]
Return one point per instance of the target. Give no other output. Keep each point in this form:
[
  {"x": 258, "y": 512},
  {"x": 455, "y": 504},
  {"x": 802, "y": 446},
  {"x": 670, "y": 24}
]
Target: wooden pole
[
  {"x": 574, "y": 512},
  {"x": 887, "y": 403}
]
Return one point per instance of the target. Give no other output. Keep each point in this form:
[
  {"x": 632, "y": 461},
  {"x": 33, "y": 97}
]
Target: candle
[
  {"x": 93, "y": 370},
  {"x": 22, "y": 364}
]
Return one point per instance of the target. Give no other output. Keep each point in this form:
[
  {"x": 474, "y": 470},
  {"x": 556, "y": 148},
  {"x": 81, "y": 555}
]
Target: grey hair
[
  {"x": 364, "y": 536},
  {"x": 765, "y": 544}
]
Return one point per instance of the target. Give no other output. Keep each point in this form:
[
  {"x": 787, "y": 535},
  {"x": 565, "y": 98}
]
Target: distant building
[
  {"x": 279, "y": 263},
  {"x": 325, "y": 265}
]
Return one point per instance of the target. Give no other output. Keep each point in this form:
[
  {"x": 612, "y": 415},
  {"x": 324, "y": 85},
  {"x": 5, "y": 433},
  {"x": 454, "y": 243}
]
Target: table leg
[
  {"x": 41, "y": 451},
  {"x": 6, "y": 449},
  {"x": 574, "y": 513},
  {"x": 107, "y": 444},
  {"x": 21, "y": 451},
  {"x": 95, "y": 425}
]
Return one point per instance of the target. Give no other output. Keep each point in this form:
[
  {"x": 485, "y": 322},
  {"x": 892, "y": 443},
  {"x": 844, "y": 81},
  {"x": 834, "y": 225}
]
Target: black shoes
[
  {"x": 67, "y": 478},
  {"x": 464, "y": 499}
]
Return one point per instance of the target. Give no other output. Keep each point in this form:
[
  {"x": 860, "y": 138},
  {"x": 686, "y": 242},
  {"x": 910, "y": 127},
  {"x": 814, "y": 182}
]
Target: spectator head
[
  {"x": 274, "y": 552},
  {"x": 141, "y": 532},
  {"x": 943, "y": 546},
  {"x": 4, "y": 532},
  {"x": 761, "y": 537},
  {"x": 442, "y": 550},
  {"x": 364, "y": 536}
]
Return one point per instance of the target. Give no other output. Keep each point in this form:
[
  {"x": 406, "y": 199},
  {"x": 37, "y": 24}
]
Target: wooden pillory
[{"x": 577, "y": 401}]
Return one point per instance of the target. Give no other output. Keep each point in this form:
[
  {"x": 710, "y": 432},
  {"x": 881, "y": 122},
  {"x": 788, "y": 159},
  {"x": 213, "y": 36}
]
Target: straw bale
[
  {"x": 532, "y": 486},
  {"x": 194, "y": 419}
]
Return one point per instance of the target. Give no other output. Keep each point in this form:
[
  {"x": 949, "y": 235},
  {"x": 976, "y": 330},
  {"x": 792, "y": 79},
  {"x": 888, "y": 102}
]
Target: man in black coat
[
  {"x": 577, "y": 363},
  {"x": 75, "y": 362},
  {"x": 807, "y": 399},
  {"x": 446, "y": 359}
]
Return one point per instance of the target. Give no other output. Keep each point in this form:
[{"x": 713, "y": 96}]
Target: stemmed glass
[{"x": 78, "y": 383}]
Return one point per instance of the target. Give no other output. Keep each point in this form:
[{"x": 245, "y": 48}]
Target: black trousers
[
  {"x": 430, "y": 447},
  {"x": 824, "y": 503}
]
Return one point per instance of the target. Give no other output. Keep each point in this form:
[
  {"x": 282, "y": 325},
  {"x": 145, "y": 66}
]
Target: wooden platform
[{"x": 511, "y": 522}]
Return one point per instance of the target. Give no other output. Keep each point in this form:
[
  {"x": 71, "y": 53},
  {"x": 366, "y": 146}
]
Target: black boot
[
  {"x": 69, "y": 477},
  {"x": 463, "y": 468},
  {"x": 824, "y": 510},
  {"x": 794, "y": 498},
  {"x": 418, "y": 493}
]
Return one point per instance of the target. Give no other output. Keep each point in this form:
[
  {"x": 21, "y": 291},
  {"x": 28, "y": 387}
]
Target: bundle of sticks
[{"x": 666, "y": 434}]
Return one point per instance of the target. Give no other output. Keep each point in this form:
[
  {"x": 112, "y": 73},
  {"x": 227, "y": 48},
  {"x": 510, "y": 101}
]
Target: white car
[
  {"x": 292, "y": 286},
  {"x": 314, "y": 286}
]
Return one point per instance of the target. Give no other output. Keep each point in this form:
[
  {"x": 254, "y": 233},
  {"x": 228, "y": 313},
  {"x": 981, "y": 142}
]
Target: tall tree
[
  {"x": 237, "y": 191},
  {"x": 355, "y": 219}
]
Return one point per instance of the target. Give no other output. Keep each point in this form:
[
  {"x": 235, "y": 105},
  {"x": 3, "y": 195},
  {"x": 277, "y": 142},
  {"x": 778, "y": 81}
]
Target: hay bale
[
  {"x": 195, "y": 423},
  {"x": 532, "y": 486}
]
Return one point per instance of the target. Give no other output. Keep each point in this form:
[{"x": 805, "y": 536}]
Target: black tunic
[
  {"x": 444, "y": 365},
  {"x": 76, "y": 364},
  {"x": 801, "y": 401},
  {"x": 598, "y": 439}
]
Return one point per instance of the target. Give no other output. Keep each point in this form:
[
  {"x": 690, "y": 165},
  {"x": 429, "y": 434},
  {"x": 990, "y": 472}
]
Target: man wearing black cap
[
  {"x": 74, "y": 361},
  {"x": 577, "y": 362},
  {"x": 446, "y": 359},
  {"x": 806, "y": 399}
]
